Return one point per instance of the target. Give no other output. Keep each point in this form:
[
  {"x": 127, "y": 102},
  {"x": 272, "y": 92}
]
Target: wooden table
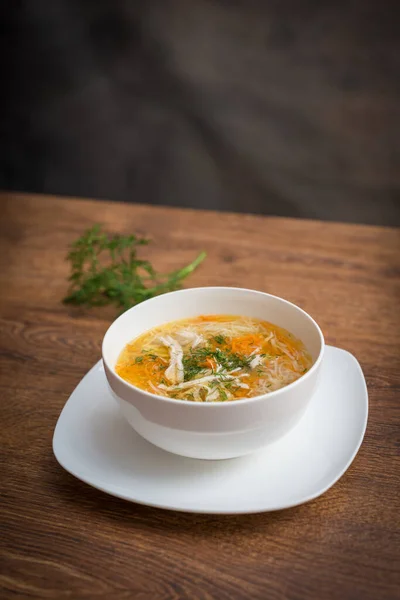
[{"x": 62, "y": 539}]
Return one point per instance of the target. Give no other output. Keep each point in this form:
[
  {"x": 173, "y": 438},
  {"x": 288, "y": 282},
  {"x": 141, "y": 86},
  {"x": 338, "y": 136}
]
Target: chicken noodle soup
[{"x": 213, "y": 358}]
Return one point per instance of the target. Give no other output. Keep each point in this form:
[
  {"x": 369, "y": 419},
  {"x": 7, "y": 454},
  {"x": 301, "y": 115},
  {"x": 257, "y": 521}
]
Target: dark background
[{"x": 287, "y": 107}]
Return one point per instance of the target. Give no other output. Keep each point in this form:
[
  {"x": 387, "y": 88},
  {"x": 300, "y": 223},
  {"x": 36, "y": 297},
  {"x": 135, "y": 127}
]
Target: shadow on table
[{"x": 86, "y": 499}]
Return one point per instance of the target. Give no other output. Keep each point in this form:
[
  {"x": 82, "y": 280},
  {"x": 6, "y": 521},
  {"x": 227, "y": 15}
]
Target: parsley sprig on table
[{"x": 106, "y": 270}]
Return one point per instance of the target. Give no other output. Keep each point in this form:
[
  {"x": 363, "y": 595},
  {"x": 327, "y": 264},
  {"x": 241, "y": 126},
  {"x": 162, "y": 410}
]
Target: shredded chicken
[
  {"x": 256, "y": 361},
  {"x": 174, "y": 372},
  {"x": 189, "y": 384},
  {"x": 196, "y": 395},
  {"x": 189, "y": 337},
  {"x": 212, "y": 396},
  {"x": 240, "y": 384},
  {"x": 201, "y": 380}
]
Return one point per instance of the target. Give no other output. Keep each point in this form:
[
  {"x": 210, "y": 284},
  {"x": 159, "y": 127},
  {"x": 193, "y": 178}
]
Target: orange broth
[{"x": 213, "y": 358}]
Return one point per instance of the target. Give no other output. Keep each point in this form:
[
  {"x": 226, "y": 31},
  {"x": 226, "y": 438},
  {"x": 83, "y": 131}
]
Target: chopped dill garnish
[
  {"x": 230, "y": 385},
  {"x": 192, "y": 366},
  {"x": 219, "y": 339},
  {"x": 195, "y": 361},
  {"x": 223, "y": 395},
  {"x": 230, "y": 360},
  {"x": 138, "y": 359}
]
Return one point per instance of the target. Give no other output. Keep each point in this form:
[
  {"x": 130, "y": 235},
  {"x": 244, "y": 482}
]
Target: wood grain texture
[{"x": 62, "y": 539}]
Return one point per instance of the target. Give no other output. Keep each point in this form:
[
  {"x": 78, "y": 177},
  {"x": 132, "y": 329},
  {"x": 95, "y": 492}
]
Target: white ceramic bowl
[{"x": 213, "y": 430}]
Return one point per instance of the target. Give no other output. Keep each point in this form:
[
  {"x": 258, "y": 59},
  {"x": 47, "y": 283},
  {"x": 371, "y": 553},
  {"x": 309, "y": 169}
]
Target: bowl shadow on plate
[
  {"x": 127, "y": 453},
  {"x": 119, "y": 447}
]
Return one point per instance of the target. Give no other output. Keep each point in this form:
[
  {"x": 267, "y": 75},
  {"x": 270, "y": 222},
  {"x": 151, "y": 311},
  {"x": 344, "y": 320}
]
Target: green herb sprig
[{"x": 106, "y": 270}]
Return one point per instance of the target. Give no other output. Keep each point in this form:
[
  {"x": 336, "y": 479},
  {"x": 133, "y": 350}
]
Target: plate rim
[{"x": 304, "y": 500}]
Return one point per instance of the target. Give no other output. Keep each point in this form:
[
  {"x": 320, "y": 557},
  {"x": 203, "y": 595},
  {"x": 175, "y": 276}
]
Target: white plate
[{"x": 95, "y": 444}]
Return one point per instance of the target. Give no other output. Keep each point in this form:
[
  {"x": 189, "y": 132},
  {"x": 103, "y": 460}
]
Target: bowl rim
[{"x": 241, "y": 401}]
